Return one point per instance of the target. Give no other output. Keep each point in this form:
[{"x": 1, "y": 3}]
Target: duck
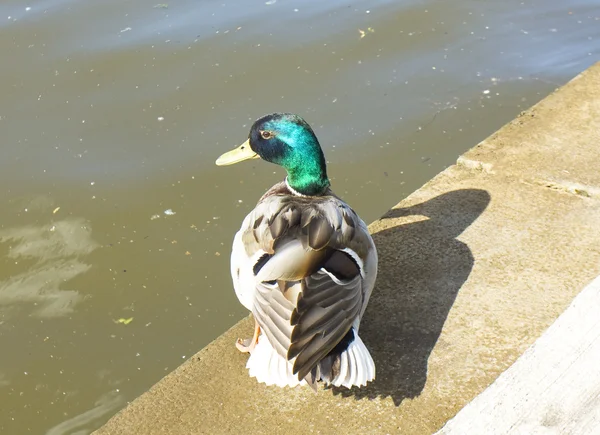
[{"x": 304, "y": 264}]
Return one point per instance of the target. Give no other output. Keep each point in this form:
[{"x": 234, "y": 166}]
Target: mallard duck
[{"x": 304, "y": 264}]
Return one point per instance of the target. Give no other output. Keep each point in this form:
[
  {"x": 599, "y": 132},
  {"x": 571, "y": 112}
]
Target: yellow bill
[{"x": 239, "y": 154}]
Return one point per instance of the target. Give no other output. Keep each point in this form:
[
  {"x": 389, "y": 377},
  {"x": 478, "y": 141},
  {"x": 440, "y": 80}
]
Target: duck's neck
[{"x": 308, "y": 178}]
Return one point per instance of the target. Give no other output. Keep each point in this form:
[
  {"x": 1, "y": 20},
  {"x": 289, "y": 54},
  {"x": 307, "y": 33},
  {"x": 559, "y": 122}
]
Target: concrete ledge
[
  {"x": 474, "y": 266},
  {"x": 553, "y": 388}
]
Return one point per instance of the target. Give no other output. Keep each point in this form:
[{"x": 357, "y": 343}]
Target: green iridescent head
[{"x": 286, "y": 140}]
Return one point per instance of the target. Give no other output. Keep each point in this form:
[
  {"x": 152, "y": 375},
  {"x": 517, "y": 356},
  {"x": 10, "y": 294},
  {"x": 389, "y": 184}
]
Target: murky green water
[{"x": 112, "y": 113}]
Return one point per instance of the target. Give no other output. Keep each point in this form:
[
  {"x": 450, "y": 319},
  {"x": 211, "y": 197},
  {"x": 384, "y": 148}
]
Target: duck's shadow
[{"x": 422, "y": 266}]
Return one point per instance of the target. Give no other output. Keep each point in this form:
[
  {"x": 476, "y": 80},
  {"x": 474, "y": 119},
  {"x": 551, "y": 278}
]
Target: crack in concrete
[
  {"x": 569, "y": 187},
  {"x": 475, "y": 165}
]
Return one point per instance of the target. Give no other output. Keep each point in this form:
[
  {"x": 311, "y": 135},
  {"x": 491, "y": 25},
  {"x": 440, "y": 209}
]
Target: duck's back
[{"x": 305, "y": 267}]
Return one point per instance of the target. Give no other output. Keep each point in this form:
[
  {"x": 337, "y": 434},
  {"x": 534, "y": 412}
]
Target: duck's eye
[{"x": 266, "y": 134}]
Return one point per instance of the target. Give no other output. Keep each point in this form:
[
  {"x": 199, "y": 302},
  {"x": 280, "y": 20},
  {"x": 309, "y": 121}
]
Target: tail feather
[
  {"x": 267, "y": 366},
  {"x": 354, "y": 366}
]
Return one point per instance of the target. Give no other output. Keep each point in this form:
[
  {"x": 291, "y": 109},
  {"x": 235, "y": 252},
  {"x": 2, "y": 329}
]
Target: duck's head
[{"x": 286, "y": 140}]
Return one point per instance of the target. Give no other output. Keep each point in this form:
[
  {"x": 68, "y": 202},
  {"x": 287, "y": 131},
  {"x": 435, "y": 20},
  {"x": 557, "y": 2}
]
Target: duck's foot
[
  {"x": 248, "y": 345},
  {"x": 245, "y": 346}
]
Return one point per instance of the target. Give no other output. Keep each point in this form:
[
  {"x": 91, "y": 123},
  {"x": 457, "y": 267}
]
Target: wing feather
[{"x": 309, "y": 289}]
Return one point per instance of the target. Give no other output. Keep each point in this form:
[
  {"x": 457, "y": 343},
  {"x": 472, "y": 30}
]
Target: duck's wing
[{"x": 310, "y": 276}]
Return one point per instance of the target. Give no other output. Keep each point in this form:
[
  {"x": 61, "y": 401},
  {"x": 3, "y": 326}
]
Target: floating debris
[
  {"x": 154, "y": 216},
  {"x": 161, "y": 118},
  {"x": 124, "y": 321},
  {"x": 126, "y": 29},
  {"x": 487, "y": 91},
  {"x": 271, "y": 2},
  {"x": 55, "y": 210},
  {"x": 161, "y": 6},
  {"x": 188, "y": 253},
  {"x": 363, "y": 33},
  {"x": 169, "y": 212}
]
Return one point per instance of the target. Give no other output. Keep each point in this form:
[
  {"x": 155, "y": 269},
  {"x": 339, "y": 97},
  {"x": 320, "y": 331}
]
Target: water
[{"x": 113, "y": 112}]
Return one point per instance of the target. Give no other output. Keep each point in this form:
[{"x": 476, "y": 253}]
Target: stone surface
[
  {"x": 553, "y": 388},
  {"x": 474, "y": 266}
]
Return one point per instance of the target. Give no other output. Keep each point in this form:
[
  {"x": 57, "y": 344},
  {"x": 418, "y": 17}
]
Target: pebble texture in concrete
[{"x": 474, "y": 266}]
